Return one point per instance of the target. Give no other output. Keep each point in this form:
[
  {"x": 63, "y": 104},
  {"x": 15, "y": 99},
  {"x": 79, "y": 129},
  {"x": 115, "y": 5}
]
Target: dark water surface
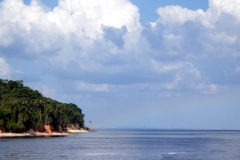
[{"x": 127, "y": 144}]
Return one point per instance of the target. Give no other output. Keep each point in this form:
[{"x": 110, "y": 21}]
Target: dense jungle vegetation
[{"x": 22, "y": 109}]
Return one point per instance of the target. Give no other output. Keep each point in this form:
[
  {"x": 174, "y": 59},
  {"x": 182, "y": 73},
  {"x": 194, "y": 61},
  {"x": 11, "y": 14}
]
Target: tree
[{"x": 22, "y": 108}]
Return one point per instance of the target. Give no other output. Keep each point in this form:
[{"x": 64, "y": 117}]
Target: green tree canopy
[{"x": 22, "y": 108}]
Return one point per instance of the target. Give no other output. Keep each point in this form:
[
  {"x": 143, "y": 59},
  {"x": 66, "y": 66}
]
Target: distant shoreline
[{"x": 42, "y": 134}]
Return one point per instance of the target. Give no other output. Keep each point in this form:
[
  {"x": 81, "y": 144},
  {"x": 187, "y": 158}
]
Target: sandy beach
[
  {"x": 77, "y": 131},
  {"x": 37, "y": 134},
  {"x": 41, "y": 134}
]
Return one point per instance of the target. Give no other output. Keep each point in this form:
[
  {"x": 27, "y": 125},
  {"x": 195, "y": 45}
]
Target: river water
[{"x": 127, "y": 144}]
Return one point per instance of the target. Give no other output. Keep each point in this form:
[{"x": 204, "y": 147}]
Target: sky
[{"x": 129, "y": 63}]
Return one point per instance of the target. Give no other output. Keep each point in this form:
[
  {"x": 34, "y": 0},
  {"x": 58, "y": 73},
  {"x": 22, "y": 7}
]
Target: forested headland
[{"x": 23, "y": 109}]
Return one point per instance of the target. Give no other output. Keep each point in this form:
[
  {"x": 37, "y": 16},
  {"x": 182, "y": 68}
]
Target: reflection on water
[{"x": 127, "y": 144}]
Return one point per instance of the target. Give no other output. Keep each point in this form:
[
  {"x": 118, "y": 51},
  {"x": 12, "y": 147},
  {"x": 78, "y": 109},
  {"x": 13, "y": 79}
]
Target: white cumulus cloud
[
  {"x": 103, "y": 46},
  {"x": 5, "y": 69}
]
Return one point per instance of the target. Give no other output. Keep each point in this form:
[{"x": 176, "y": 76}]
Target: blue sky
[{"x": 164, "y": 64}]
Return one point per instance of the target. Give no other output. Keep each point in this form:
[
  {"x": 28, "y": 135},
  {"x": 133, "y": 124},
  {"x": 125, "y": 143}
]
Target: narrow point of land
[{"x": 25, "y": 112}]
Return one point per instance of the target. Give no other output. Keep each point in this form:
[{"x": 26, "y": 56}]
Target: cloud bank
[{"x": 100, "y": 46}]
